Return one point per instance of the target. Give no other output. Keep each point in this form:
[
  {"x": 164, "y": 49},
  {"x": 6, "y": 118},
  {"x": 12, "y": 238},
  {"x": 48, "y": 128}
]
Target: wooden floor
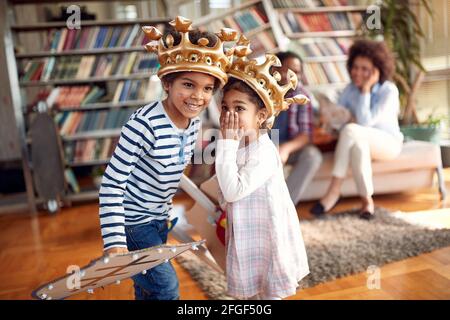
[{"x": 35, "y": 250}]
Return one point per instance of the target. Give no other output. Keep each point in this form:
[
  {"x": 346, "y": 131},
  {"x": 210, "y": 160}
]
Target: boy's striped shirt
[{"x": 144, "y": 172}]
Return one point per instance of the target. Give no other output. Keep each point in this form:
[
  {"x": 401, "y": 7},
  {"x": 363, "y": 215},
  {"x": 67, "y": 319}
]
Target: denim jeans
[{"x": 160, "y": 282}]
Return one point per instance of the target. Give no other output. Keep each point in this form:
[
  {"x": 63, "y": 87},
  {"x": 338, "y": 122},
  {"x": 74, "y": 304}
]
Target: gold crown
[
  {"x": 258, "y": 77},
  {"x": 187, "y": 56}
]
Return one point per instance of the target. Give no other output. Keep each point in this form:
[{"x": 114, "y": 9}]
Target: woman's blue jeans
[{"x": 160, "y": 282}]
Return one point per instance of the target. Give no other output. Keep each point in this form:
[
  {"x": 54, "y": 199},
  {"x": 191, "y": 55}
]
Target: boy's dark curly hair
[
  {"x": 194, "y": 36},
  {"x": 378, "y": 52}
]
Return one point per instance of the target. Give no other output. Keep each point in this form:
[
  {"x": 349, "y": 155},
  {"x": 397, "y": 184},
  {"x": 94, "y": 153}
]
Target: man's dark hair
[{"x": 288, "y": 54}]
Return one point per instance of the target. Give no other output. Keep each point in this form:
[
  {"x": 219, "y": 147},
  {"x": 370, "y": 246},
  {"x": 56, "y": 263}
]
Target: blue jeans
[{"x": 160, "y": 282}]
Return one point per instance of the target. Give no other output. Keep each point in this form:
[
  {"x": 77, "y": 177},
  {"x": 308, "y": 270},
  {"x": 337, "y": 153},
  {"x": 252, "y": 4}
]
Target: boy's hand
[
  {"x": 229, "y": 126},
  {"x": 116, "y": 250}
]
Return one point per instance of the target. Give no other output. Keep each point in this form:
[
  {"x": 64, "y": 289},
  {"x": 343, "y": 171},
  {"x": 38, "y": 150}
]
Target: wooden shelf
[
  {"x": 322, "y": 34},
  {"x": 339, "y": 85},
  {"x": 96, "y": 134},
  {"x": 88, "y": 163},
  {"x": 51, "y": 1},
  {"x": 319, "y": 59},
  {"x": 87, "y": 23},
  {"x": 255, "y": 31},
  {"x": 82, "y": 196},
  {"x": 79, "y": 52},
  {"x": 323, "y": 9},
  {"x": 80, "y": 81},
  {"x": 105, "y": 105},
  {"x": 208, "y": 18}
]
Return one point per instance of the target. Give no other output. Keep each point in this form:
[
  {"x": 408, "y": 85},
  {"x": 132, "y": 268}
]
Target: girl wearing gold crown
[
  {"x": 265, "y": 253},
  {"x": 155, "y": 146}
]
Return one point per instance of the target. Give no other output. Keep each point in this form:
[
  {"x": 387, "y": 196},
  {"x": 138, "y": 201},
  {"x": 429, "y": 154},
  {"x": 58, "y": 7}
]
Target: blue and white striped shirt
[{"x": 144, "y": 172}]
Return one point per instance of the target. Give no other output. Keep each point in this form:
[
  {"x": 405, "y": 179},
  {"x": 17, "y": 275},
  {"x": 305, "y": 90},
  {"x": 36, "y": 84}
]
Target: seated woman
[{"x": 375, "y": 134}]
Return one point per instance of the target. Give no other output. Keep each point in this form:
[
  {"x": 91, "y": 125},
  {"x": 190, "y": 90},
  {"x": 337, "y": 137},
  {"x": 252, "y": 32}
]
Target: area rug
[{"x": 339, "y": 245}]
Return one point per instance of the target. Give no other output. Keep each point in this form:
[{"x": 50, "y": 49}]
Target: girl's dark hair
[
  {"x": 377, "y": 52},
  {"x": 194, "y": 36},
  {"x": 241, "y": 86}
]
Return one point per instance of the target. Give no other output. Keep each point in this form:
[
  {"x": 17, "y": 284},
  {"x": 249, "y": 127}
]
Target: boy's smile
[{"x": 188, "y": 95}]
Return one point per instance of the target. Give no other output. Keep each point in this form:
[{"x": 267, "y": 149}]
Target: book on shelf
[
  {"x": 321, "y": 47},
  {"x": 309, "y": 4},
  {"x": 71, "y": 180},
  {"x": 247, "y": 21},
  {"x": 292, "y": 22},
  {"x": 85, "y": 67},
  {"x": 61, "y": 97},
  {"x": 71, "y": 122},
  {"x": 138, "y": 90},
  {"x": 242, "y": 20},
  {"x": 325, "y": 73},
  {"x": 80, "y": 96},
  {"x": 90, "y": 150},
  {"x": 94, "y": 37},
  {"x": 263, "y": 42}
]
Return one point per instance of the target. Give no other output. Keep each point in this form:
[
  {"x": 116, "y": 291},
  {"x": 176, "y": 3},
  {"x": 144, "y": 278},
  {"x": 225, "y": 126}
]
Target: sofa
[{"x": 416, "y": 167}]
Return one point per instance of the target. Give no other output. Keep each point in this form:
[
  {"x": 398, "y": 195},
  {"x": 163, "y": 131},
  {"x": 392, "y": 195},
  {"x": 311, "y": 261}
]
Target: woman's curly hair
[{"x": 377, "y": 52}]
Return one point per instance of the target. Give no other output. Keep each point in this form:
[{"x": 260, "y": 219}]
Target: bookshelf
[
  {"x": 321, "y": 32},
  {"x": 91, "y": 79},
  {"x": 255, "y": 19}
]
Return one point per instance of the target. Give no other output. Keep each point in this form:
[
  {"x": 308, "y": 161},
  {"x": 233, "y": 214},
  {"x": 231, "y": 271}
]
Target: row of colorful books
[
  {"x": 63, "y": 97},
  {"x": 89, "y": 150},
  {"x": 71, "y": 122},
  {"x": 84, "y": 67},
  {"x": 242, "y": 21},
  {"x": 74, "y": 96},
  {"x": 325, "y": 73},
  {"x": 96, "y": 37},
  {"x": 262, "y": 42},
  {"x": 308, "y": 3},
  {"x": 321, "y": 47},
  {"x": 128, "y": 90},
  {"x": 317, "y": 22}
]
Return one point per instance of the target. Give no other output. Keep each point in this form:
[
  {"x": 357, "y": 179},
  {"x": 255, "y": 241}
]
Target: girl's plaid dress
[{"x": 265, "y": 249}]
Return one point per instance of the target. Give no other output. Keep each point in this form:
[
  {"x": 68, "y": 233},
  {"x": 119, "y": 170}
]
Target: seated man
[{"x": 295, "y": 127}]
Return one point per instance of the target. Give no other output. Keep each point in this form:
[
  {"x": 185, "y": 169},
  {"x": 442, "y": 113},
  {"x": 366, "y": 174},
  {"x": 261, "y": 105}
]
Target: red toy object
[{"x": 221, "y": 226}]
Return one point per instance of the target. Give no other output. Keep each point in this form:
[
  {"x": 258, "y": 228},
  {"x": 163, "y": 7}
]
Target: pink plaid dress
[{"x": 265, "y": 249}]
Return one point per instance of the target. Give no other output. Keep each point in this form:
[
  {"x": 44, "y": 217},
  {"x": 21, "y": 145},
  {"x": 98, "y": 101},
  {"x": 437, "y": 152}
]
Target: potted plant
[{"x": 428, "y": 130}]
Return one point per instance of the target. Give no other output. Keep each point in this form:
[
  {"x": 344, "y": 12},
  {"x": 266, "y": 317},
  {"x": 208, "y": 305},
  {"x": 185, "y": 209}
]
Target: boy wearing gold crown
[
  {"x": 265, "y": 253},
  {"x": 155, "y": 146}
]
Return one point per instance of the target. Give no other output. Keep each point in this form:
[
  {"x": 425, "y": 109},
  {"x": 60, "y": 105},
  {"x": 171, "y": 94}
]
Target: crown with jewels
[
  {"x": 187, "y": 56},
  {"x": 259, "y": 78}
]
